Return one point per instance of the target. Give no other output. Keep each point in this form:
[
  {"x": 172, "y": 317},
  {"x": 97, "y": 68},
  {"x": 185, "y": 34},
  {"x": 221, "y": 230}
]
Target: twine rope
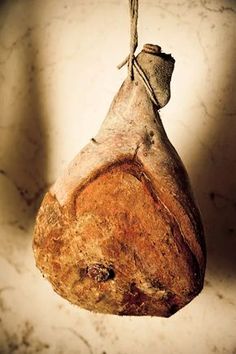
[
  {"x": 133, "y": 8},
  {"x": 133, "y": 5},
  {"x": 131, "y": 59}
]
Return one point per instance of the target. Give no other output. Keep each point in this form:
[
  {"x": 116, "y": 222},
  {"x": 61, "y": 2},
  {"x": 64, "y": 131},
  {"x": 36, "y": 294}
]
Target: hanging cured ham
[{"x": 119, "y": 232}]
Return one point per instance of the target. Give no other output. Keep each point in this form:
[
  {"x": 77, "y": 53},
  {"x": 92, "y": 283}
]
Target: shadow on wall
[
  {"x": 216, "y": 177},
  {"x": 24, "y": 147},
  {"x": 23, "y": 139}
]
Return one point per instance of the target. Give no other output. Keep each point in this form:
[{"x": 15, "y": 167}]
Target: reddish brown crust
[
  {"x": 119, "y": 231},
  {"x": 102, "y": 256}
]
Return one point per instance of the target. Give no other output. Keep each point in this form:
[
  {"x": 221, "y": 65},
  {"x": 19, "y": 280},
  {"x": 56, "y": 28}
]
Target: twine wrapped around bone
[
  {"x": 119, "y": 232},
  {"x": 133, "y": 46}
]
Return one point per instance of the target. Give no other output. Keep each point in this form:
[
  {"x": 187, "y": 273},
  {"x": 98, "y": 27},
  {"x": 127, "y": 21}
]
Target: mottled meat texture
[{"x": 119, "y": 232}]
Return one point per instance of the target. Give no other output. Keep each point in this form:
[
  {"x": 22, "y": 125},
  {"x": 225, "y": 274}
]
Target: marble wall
[{"x": 57, "y": 78}]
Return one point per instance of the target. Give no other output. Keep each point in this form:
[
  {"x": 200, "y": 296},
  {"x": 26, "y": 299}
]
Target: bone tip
[{"x": 152, "y": 48}]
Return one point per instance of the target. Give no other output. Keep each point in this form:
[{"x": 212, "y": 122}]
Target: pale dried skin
[{"x": 119, "y": 232}]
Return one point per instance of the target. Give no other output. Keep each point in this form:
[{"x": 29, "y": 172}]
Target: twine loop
[{"x": 131, "y": 59}]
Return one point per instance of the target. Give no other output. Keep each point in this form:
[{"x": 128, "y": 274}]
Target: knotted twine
[{"x": 131, "y": 59}]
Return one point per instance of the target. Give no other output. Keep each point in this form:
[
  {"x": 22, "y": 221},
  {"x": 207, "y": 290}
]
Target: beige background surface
[{"x": 57, "y": 78}]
